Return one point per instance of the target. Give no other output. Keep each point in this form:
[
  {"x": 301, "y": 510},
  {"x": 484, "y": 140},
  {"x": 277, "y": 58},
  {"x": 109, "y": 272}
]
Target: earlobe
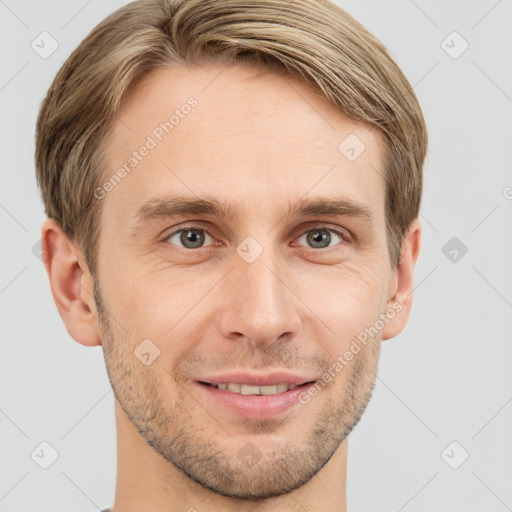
[
  {"x": 71, "y": 284},
  {"x": 403, "y": 282}
]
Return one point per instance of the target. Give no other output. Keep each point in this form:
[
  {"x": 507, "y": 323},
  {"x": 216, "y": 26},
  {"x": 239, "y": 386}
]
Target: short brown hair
[{"x": 314, "y": 41}]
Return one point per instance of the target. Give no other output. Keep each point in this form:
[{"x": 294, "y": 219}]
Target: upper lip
[{"x": 255, "y": 379}]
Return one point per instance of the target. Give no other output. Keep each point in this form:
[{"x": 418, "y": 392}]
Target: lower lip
[{"x": 256, "y": 406}]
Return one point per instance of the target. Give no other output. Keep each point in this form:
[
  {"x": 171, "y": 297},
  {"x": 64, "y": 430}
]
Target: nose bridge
[
  {"x": 264, "y": 289},
  {"x": 262, "y": 307}
]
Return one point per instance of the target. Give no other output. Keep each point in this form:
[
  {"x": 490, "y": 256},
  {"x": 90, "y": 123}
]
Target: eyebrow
[{"x": 172, "y": 206}]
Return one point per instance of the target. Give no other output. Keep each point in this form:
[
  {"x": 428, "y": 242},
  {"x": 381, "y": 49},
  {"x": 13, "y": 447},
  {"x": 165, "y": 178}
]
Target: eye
[
  {"x": 194, "y": 237},
  {"x": 320, "y": 237},
  {"x": 191, "y": 237}
]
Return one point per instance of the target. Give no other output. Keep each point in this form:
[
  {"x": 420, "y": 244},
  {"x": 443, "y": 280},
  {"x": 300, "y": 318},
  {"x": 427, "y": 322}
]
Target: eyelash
[{"x": 345, "y": 235}]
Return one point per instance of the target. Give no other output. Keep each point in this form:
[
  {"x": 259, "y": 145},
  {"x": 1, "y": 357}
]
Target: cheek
[
  {"x": 167, "y": 304},
  {"x": 348, "y": 295},
  {"x": 347, "y": 303},
  {"x": 165, "y": 307}
]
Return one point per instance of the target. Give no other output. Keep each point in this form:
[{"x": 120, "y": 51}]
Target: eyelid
[
  {"x": 344, "y": 233},
  {"x": 193, "y": 225}
]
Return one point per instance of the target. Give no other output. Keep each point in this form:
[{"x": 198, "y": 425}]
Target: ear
[
  {"x": 403, "y": 282},
  {"x": 71, "y": 283}
]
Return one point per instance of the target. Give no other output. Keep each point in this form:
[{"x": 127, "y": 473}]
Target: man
[{"x": 233, "y": 197}]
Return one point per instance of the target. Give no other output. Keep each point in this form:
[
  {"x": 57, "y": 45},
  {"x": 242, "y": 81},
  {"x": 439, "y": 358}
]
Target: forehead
[{"x": 241, "y": 134}]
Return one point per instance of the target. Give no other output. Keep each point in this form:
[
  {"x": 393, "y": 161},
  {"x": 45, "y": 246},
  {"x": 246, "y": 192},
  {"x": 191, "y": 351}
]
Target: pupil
[
  {"x": 319, "y": 236},
  {"x": 191, "y": 238}
]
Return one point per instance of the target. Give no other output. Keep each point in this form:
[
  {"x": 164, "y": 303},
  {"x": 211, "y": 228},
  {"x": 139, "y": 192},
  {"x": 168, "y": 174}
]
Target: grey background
[{"x": 447, "y": 377}]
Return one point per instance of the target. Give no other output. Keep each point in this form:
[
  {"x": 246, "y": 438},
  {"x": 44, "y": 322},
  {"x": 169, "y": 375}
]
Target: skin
[{"x": 260, "y": 141}]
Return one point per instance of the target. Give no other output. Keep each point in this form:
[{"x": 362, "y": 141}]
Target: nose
[{"x": 261, "y": 306}]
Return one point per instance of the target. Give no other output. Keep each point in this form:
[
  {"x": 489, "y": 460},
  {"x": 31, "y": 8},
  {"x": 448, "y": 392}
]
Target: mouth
[
  {"x": 248, "y": 389},
  {"x": 251, "y": 401}
]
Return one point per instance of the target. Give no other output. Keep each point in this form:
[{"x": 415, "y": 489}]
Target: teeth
[
  {"x": 247, "y": 389},
  {"x": 270, "y": 390}
]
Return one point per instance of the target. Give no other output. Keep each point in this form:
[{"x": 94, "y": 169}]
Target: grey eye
[
  {"x": 320, "y": 238},
  {"x": 190, "y": 238}
]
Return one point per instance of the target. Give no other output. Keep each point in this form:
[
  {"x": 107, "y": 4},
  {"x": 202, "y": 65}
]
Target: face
[{"x": 259, "y": 285}]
